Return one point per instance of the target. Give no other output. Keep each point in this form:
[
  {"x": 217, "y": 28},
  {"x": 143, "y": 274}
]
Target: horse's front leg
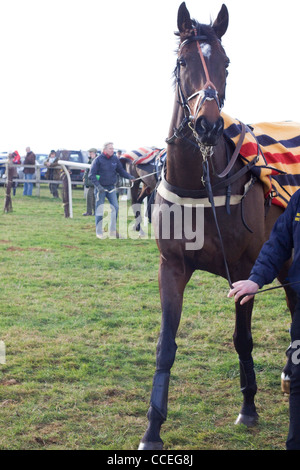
[
  {"x": 172, "y": 284},
  {"x": 243, "y": 344}
]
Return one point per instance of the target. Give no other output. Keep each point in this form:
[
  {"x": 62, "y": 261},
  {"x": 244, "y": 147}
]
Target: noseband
[{"x": 207, "y": 93}]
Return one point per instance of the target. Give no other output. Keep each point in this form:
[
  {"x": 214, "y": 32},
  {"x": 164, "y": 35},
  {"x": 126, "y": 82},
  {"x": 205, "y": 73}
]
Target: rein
[
  {"x": 206, "y": 179},
  {"x": 132, "y": 181},
  {"x": 273, "y": 288}
]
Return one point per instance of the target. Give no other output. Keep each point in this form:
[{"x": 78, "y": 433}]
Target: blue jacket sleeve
[{"x": 276, "y": 250}]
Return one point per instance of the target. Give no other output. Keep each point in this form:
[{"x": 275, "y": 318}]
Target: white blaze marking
[{"x": 206, "y": 50}]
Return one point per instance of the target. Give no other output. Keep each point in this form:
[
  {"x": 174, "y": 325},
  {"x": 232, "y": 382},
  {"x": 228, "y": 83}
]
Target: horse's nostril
[
  {"x": 202, "y": 125},
  {"x": 209, "y": 132}
]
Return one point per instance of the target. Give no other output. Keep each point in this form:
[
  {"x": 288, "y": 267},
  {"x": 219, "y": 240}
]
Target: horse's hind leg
[
  {"x": 172, "y": 286},
  {"x": 137, "y": 209},
  {"x": 243, "y": 344}
]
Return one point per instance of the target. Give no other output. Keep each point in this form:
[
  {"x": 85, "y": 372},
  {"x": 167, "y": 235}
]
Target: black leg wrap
[
  {"x": 247, "y": 374},
  {"x": 248, "y": 385},
  {"x": 159, "y": 396}
]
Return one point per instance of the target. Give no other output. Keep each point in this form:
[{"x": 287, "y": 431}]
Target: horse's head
[{"x": 201, "y": 74}]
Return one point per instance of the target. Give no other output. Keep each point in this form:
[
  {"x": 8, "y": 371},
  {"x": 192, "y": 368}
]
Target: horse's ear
[
  {"x": 221, "y": 23},
  {"x": 184, "y": 22}
]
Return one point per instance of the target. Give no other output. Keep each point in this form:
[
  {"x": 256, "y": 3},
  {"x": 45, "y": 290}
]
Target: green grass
[{"x": 80, "y": 318}]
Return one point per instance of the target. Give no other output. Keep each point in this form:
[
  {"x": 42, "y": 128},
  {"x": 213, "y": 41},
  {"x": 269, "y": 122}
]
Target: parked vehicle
[
  {"x": 76, "y": 156},
  {"x": 40, "y": 159},
  {"x": 3, "y": 158}
]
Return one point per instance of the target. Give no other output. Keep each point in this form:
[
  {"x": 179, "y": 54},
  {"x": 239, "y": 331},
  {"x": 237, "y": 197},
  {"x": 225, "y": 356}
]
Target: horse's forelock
[{"x": 201, "y": 30}]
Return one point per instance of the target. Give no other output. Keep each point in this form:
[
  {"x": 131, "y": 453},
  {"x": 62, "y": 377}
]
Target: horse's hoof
[
  {"x": 249, "y": 421},
  {"x": 151, "y": 445},
  {"x": 285, "y": 383}
]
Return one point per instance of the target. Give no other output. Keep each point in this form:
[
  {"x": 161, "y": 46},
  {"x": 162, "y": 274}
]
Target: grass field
[{"x": 80, "y": 318}]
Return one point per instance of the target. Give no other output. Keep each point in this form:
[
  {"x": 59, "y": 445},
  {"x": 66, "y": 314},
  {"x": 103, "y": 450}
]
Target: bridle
[{"x": 207, "y": 93}]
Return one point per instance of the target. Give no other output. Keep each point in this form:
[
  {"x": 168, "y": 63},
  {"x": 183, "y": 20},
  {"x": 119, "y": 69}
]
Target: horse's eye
[{"x": 182, "y": 62}]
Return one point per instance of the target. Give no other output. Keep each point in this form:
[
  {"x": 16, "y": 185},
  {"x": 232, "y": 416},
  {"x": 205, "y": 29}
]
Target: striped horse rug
[
  {"x": 278, "y": 147},
  {"x": 142, "y": 155}
]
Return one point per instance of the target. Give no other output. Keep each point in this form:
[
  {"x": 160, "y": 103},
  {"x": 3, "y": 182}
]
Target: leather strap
[
  {"x": 235, "y": 153},
  {"x": 200, "y": 193}
]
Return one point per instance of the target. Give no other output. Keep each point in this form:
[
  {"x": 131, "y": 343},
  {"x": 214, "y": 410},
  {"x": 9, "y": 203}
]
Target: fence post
[
  {"x": 38, "y": 179},
  {"x": 69, "y": 189},
  {"x": 9, "y": 183}
]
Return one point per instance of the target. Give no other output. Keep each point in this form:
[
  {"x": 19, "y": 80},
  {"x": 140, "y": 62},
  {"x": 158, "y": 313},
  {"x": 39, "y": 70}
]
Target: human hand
[{"x": 241, "y": 288}]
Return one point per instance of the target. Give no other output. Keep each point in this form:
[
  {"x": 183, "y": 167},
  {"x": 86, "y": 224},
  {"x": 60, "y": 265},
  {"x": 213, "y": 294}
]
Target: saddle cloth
[
  {"x": 278, "y": 147},
  {"x": 142, "y": 155}
]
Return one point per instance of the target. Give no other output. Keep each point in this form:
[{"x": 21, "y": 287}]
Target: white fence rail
[
  {"x": 63, "y": 165},
  {"x": 37, "y": 180}
]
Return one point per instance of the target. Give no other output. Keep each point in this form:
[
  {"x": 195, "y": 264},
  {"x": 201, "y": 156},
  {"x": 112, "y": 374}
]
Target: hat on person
[{"x": 93, "y": 150}]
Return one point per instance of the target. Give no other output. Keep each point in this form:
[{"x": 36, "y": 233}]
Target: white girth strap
[{"x": 182, "y": 201}]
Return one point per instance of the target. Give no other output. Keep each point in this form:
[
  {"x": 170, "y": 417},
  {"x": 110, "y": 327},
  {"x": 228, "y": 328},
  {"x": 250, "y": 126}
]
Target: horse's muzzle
[{"x": 209, "y": 132}]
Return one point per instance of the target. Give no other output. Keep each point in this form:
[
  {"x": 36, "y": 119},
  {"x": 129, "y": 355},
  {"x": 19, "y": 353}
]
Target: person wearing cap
[
  {"x": 283, "y": 243},
  {"x": 52, "y": 173},
  {"x": 103, "y": 174},
  {"x": 90, "y": 196},
  {"x": 28, "y": 172}
]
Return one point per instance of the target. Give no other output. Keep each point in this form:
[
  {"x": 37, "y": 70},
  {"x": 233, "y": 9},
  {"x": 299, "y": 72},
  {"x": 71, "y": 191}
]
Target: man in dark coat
[
  {"x": 28, "y": 172},
  {"x": 103, "y": 174}
]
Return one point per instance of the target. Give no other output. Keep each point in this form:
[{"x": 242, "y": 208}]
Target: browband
[{"x": 191, "y": 39}]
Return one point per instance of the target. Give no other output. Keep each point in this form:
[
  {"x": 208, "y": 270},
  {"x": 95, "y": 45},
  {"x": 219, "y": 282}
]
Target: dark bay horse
[{"x": 200, "y": 168}]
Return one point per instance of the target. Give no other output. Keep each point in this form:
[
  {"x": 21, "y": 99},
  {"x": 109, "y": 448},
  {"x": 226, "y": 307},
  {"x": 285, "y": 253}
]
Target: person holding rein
[{"x": 284, "y": 241}]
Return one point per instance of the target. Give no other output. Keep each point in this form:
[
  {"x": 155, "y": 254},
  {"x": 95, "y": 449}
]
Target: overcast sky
[{"x": 77, "y": 73}]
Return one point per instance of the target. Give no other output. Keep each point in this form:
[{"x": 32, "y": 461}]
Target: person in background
[
  {"x": 283, "y": 242},
  {"x": 90, "y": 195},
  {"x": 17, "y": 158},
  {"x": 28, "y": 172},
  {"x": 16, "y": 161},
  {"x": 12, "y": 171},
  {"x": 120, "y": 181},
  {"x": 103, "y": 174},
  {"x": 52, "y": 173}
]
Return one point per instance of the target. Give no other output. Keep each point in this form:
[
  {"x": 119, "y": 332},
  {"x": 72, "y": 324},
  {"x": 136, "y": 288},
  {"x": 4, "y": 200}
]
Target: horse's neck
[{"x": 185, "y": 164}]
